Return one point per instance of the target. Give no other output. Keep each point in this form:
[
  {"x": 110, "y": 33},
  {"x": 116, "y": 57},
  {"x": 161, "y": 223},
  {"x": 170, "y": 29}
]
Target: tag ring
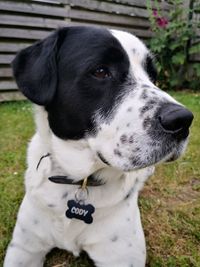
[{"x": 81, "y": 194}]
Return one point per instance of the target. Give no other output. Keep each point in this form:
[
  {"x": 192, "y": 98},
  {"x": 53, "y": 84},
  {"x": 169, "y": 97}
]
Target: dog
[{"x": 102, "y": 126}]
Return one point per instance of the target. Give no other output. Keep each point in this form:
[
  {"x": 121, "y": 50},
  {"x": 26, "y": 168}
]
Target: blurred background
[{"x": 170, "y": 28}]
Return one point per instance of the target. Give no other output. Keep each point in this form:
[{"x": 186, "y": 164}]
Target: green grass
[
  {"x": 169, "y": 202},
  {"x": 16, "y": 127}
]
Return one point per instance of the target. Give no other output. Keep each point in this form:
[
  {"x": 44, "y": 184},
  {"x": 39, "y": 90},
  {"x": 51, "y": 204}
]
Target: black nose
[{"x": 175, "y": 119}]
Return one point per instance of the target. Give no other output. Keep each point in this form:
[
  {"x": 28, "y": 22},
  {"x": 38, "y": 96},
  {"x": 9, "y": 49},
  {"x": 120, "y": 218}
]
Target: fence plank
[
  {"x": 8, "y": 96},
  {"x": 109, "y": 7},
  {"x": 8, "y": 85},
  {"x": 107, "y": 18},
  {"x": 138, "y": 3},
  {"x": 5, "y": 72},
  {"x": 138, "y": 32},
  {"x": 34, "y": 9},
  {"x": 34, "y": 22},
  {"x": 23, "y": 34},
  {"x": 12, "y": 47},
  {"x": 6, "y": 59}
]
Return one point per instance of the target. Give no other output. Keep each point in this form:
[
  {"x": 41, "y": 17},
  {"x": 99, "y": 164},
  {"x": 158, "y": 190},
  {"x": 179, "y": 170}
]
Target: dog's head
[{"x": 98, "y": 85}]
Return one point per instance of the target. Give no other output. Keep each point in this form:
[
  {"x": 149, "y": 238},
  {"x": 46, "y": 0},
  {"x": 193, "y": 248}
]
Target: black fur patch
[
  {"x": 58, "y": 73},
  {"x": 147, "y": 122},
  {"x": 150, "y": 68},
  {"x": 117, "y": 152},
  {"x": 124, "y": 139},
  {"x": 144, "y": 94}
]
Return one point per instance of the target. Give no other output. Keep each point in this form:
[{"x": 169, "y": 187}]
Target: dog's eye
[{"x": 102, "y": 72}]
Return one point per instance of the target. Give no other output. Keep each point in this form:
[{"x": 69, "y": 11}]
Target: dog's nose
[{"x": 175, "y": 119}]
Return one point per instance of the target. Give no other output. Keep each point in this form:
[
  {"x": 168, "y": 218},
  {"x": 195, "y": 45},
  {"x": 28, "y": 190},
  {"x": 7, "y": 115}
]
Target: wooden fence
[{"x": 23, "y": 22}]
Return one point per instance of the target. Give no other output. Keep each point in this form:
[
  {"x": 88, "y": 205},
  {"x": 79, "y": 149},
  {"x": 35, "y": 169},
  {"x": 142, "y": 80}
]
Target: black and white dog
[{"x": 98, "y": 115}]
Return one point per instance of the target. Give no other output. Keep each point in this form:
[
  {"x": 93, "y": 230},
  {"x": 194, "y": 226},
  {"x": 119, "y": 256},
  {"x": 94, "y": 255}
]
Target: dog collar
[
  {"x": 76, "y": 207},
  {"x": 91, "y": 181},
  {"x": 64, "y": 179}
]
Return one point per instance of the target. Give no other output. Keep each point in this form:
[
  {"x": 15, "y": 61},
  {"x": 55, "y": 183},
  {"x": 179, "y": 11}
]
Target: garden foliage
[{"x": 173, "y": 42}]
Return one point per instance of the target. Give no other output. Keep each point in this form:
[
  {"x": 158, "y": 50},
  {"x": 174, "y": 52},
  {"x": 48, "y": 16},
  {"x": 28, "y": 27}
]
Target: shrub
[{"x": 172, "y": 44}]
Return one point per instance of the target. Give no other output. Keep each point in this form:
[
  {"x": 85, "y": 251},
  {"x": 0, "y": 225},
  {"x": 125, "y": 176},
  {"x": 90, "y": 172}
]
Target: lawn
[{"x": 170, "y": 201}]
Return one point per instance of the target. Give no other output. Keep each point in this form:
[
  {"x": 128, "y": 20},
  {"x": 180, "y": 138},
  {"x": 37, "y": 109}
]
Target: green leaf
[
  {"x": 178, "y": 58},
  {"x": 173, "y": 82},
  {"x": 174, "y": 45},
  {"x": 196, "y": 67},
  {"x": 194, "y": 49}
]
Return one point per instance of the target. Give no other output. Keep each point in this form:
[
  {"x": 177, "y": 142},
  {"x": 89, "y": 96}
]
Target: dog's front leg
[
  {"x": 122, "y": 244},
  {"x": 18, "y": 256},
  {"x": 122, "y": 255},
  {"x": 31, "y": 241}
]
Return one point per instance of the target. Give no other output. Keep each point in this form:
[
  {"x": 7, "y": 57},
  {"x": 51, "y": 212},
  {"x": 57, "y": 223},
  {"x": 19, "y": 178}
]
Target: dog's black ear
[{"x": 35, "y": 70}]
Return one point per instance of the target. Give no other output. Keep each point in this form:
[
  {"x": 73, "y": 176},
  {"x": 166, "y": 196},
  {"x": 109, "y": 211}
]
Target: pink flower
[
  {"x": 155, "y": 13},
  {"x": 162, "y": 22}
]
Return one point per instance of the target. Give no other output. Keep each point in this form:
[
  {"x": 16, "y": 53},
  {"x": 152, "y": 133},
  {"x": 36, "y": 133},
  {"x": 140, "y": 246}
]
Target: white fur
[
  {"x": 40, "y": 227},
  {"x": 115, "y": 238}
]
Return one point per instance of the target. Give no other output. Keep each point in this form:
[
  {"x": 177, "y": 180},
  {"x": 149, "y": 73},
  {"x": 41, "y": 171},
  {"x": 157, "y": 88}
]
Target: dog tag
[
  {"x": 77, "y": 208},
  {"x": 80, "y": 211}
]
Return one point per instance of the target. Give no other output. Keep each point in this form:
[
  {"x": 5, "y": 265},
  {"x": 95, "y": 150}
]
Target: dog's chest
[{"x": 73, "y": 234}]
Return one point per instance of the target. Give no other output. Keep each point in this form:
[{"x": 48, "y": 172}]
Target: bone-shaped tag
[{"x": 80, "y": 211}]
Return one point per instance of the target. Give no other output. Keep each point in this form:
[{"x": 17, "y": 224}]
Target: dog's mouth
[
  {"x": 101, "y": 157},
  {"x": 142, "y": 159},
  {"x": 172, "y": 158},
  {"x": 178, "y": 152}
]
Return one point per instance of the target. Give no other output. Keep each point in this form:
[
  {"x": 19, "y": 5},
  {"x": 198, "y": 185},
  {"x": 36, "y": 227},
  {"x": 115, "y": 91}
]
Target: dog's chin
[
  {"x": 144, "y": 165},
  {"x": 177, "y": 153},
  {"x": 173, "y": 157},
  {"x": 141, "y": 164},
  {"x": 122, "y": 167}
]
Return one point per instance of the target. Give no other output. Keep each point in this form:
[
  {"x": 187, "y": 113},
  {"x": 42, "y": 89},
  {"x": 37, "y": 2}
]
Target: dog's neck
[{"x": 74, "y": 157}]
